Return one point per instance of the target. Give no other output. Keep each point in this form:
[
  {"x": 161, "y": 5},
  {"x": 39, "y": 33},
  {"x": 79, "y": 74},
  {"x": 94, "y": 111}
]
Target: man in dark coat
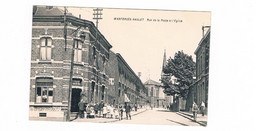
[
  {"x": 81, "y": 108},
  {"x": 96, "y": 109},
  {"x": 128, "y": 111},
  {"x": 101, "y": 105}
]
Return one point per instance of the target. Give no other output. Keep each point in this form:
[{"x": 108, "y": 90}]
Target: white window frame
[
  {"x": 45, "y": 49},
  {"x": 45, "y": 89},
  {"x": 78, "y": 51}
]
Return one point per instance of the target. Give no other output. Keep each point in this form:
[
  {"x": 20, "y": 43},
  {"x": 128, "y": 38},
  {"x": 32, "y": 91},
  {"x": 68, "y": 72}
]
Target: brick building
[
  {"x": 199, "y": 89},
  {"x": 50, "y": 63},
  {"x": 124, "y": 82}
]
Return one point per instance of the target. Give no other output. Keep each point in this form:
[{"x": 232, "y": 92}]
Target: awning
[{"x": 126, "y": 99}]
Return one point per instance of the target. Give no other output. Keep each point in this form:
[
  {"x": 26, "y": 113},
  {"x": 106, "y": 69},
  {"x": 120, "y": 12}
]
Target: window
[
  {"x": 102, "y": 92},
  {"x": 92, "y": 91},
  {"x": 111, "y": 81},
  {"x": 45, "y": 51},
  {"x": 44, "y": 90},
  {"x": 77, "y": 50},
  {"x": 76, "y": 82},
  {"x": 94, "y": 52},
  {"x": 119, "y": 91},
  {"x": 151, "y": 93}
]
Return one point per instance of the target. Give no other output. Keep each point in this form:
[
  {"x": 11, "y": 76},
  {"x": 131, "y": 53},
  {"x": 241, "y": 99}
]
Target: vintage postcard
[{"x": 129, "y": 66}]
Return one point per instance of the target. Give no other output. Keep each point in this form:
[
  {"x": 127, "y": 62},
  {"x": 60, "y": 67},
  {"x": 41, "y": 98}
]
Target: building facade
[
  {"x": 124, "y": 82},
  {"x": 156, "y": 96},
  {"x": 199, "y": 89},
  {"x": 53, "y": 37}
]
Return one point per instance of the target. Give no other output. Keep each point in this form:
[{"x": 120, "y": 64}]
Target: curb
[{"x": 201, "y": 123}]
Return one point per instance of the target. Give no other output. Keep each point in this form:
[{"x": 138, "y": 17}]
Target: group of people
[
  {"x": 103, "y": 110},
  {"x": 196, "y": 109}
]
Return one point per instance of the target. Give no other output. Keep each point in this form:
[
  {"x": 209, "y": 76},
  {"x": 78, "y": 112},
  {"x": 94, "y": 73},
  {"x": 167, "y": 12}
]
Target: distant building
[
  {"x": 156, "y": 96},
  {"x": 125, "y": 82}
]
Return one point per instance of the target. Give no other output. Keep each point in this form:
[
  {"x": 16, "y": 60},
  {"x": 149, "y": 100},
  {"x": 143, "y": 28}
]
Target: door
[{"x": 75, "y": 99}]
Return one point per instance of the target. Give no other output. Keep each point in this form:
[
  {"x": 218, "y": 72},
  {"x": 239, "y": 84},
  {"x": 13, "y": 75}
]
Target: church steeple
[{"x": 164, "y": 62}]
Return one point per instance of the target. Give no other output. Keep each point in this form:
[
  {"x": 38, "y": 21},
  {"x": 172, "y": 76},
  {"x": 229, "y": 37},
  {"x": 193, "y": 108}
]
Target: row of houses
[{"x": 98, "y": 73}]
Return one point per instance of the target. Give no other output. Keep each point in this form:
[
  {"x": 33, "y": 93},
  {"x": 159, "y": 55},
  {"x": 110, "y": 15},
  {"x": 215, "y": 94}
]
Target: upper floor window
[
  {"x": 77, "y": 50},
  {"x": 45, "y": 52},
  {"x": 94, "y": 52}
]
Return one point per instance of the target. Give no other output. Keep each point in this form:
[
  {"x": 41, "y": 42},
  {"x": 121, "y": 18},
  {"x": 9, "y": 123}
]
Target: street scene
[
  {"x": 121, "y": 66},
  {"x": 157, "y": 116}
]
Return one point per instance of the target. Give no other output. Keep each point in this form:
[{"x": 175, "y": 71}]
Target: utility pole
[
  {"x": 70, "y": 81},
  {"x": 97, "y": 16},
  {"x": 71, "y": 76},
  {"x": 65, "y": 27}
]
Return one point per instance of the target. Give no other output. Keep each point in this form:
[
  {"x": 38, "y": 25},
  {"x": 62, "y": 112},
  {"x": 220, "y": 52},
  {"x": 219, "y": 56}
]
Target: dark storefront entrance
[{"x": 75, "y": 99}]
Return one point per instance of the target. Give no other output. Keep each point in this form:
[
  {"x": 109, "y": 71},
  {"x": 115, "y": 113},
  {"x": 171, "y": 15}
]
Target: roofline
[
  {"x": 74, "y": 20},
  {"x": 122, "y": 59},
  {"x": 202, "y": 39}
]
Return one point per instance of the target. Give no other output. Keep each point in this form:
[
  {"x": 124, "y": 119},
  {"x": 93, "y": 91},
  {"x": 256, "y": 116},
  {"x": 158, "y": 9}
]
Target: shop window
[
  {"x": 45, "y": 50},
  {"x": 44, "y": 90},
  {"x": 77, "y": 50}
]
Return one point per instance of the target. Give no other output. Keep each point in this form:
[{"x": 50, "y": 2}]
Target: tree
[{"x": 182, "y": 67}]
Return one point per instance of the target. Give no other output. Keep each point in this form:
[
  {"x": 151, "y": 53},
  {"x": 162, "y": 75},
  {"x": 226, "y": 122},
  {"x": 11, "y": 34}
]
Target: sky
[{"x": 141, "y": 36}]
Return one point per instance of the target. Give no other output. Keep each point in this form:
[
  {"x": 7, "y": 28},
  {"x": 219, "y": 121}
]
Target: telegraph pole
[
  {"x": 71, "y": 75},
  {"x": 97, "y": 16},
  {"x": 65, "y": 27}
]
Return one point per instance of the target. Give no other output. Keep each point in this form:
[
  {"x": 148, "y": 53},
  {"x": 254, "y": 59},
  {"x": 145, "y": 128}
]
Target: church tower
[{"x": 164, "y": 63}]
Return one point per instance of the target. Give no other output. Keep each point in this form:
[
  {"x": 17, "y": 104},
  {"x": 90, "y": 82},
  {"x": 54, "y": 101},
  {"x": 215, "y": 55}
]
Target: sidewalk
[
  {"x": 202, "y": 120},
  {"x": 108, "y": 120}
]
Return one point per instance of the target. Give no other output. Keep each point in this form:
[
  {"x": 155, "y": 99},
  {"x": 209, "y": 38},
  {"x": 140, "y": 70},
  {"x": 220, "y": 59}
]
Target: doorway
[{"x": 75, "y": 99}]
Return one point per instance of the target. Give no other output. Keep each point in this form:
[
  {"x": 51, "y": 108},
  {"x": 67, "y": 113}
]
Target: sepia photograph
[{"x": 119, "y": 66}]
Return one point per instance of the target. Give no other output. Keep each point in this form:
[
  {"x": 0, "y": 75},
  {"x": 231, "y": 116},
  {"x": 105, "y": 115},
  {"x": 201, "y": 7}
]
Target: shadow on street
[
  {"x": 164, "y": 110},
  {"x": 177, "y": 122},
  {"x": 188, "y": 117}
]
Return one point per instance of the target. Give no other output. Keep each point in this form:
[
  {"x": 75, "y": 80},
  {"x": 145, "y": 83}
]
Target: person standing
[
  {"x": 135, "y": 107},
  {"x": 88, "y": 111},
  {"x": 81, "y": 108},
  {"x": 96, "y": 109},
  {"x": 194, "y": 110},
  {"x": 128, "y": 111},
  {"x": 202, "y": 107},
  {"x": 101, "y": 105},
  {"x": 121, "y": 112}
]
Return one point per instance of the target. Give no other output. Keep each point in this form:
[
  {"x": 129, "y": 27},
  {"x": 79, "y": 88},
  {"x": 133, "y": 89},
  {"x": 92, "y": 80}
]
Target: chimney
[{"x": 139, "y": 74}]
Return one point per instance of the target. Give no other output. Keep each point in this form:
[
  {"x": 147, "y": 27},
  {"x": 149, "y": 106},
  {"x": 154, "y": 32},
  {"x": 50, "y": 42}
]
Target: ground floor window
[{"x": 44, "y": 90}]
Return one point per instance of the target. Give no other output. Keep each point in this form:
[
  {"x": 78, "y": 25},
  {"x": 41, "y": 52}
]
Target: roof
[
  {"x": 54, "y": 14},
  {"x": 152, "y": 82},
  {"x": 202, "y": 40},
  {"x": 48, "y": 11}
]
